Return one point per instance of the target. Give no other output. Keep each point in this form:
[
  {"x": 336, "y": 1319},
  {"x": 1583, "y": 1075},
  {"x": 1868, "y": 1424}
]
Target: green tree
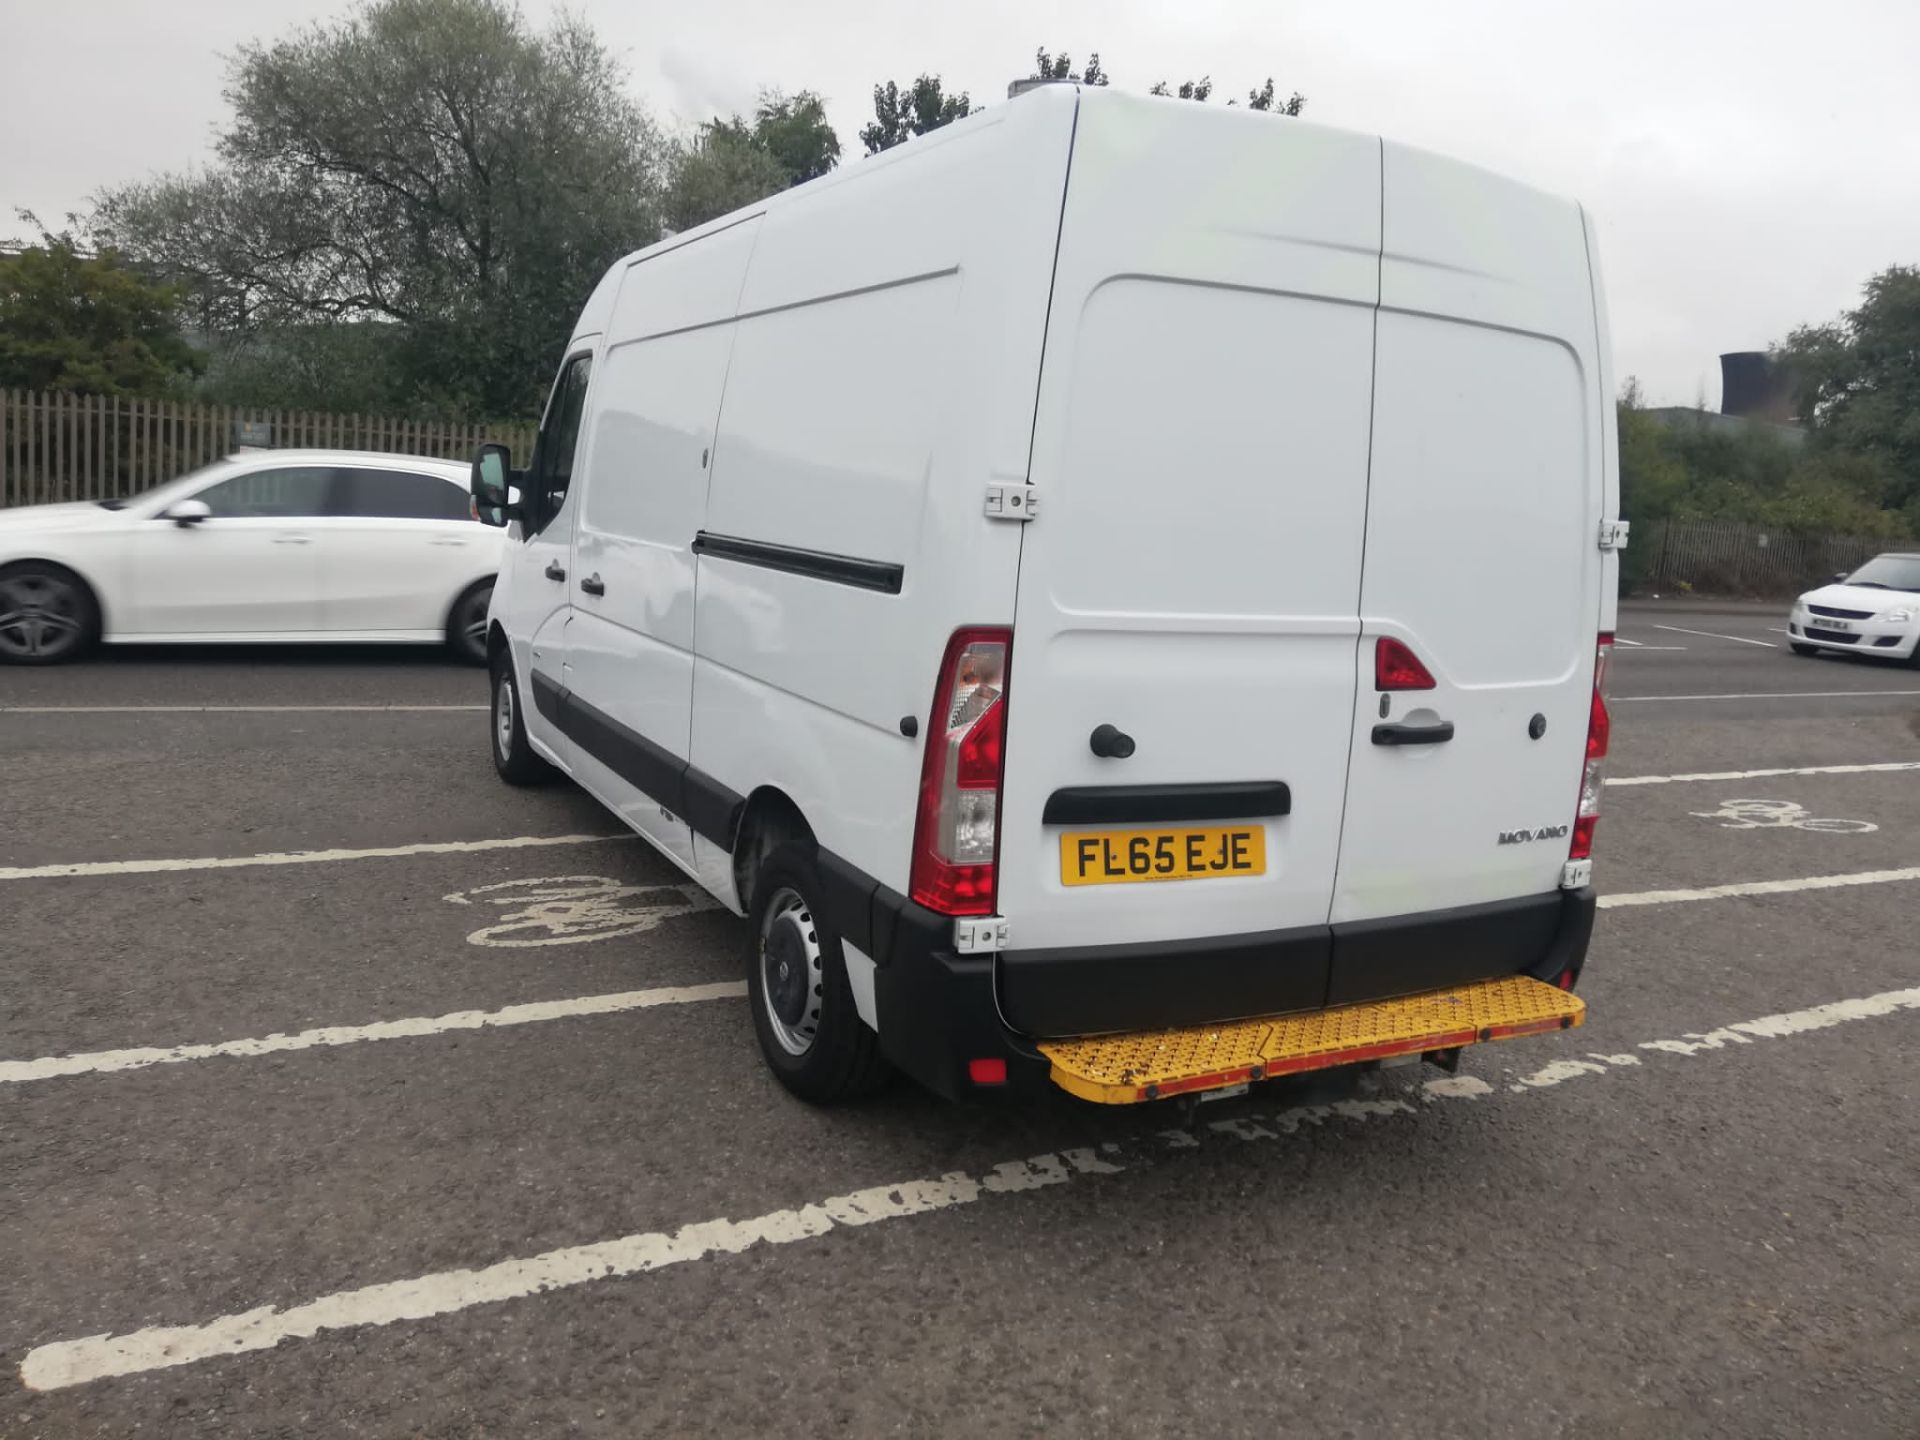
[
  {"x": 794, "y": 130},
  {"x": 1060, "y": 67},
  {"x": 74, "y": 321},
  {"x": 1264, "y": 99},
  {"x": 722, "y": 168},
  {"x": 899, "y": 115},
  {"x": 733, "y": 162},
  {"x": 1860, "y": 381},
  {"x": 1189, "y": 89},
  {"x": 433, "y": 166}
]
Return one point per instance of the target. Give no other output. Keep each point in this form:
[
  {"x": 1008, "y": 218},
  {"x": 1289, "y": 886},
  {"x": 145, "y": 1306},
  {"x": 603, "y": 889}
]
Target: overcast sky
[{"x": 1749, "y": 164}]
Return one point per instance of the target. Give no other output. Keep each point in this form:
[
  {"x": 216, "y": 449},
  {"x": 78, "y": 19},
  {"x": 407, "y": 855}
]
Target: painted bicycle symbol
[
  {"x": 573, "y": 909},
  {"x": 1779, "y": 815}
]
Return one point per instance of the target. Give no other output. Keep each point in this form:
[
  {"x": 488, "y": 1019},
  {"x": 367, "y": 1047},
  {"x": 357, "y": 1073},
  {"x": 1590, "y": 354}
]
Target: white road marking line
[
  {"x": 226, "y": 709},
  {"x": 1659, "y": 647},
  {"x": 1764, "y": 695},
  {"x": 1622, "y": 640},
  {"x": 1760, "y": 887},
  {"x": 1883, "y": 766},
  {"x": 295, "y": 857},
  {"x": 98, "y": 1357},
  {"x": 1716, "y": 635},
  {"x": 14, "y": 1072}
]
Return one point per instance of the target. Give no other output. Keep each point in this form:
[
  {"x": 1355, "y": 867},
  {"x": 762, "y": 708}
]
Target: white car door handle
[{"x": 293, "y": 540}]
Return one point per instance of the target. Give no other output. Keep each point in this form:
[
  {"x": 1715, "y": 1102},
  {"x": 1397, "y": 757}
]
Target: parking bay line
[
  {"x": 14, "y": 1072},
  {"x": 51, "y": 1067},
  {"x": 296, "y": 857},
  {"x": 1764, "y": 695},
  {"x": 229, "y": 709},
  {"x": 1716, "y": 635},
  {"x": 1765, "y": 774},
  {"x": 65, "y": 1363}
]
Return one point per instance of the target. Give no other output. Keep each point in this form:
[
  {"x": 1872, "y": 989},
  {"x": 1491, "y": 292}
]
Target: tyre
[
  {"x": 513, "y": 755},
  {"x": 1799, "y": 649},
  {"x": 810, "y": 1032},
  {"x": 467, "y": 623},
  {"x": 47, "y": 614}
]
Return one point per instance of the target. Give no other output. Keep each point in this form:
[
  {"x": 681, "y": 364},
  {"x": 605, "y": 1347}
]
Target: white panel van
[{"x": 1043, "y": 577}]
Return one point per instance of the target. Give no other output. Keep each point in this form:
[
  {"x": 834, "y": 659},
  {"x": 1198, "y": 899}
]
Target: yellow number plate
[{"x": 1125, "y": 857}]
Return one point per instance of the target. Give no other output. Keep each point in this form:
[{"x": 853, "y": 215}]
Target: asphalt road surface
[{"x": 264, "y": 1171}]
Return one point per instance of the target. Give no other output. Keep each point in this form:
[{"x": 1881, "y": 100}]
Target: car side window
[
  {"x": 400, "y": 495},
  {"x": 552, "y": 472},
  {"x": 293, "y": 493}
]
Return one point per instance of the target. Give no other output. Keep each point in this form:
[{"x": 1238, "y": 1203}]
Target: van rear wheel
[{"x": 809, "y": 1028}]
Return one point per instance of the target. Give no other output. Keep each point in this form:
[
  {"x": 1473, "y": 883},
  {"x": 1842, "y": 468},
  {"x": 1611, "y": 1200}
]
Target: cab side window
[{"x": 552, "y": 473}]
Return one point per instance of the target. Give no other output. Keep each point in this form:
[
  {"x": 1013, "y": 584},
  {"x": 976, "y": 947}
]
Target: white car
[
  {"x": 273, "y": 546},
  {"x": 1873, "y": 611}
]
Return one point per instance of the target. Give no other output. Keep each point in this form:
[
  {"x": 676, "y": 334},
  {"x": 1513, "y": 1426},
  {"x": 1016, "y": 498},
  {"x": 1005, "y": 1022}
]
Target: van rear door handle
[
  {"x": 1413, "y": 734},
  {"x": 593, "y": 586},
  {"x": 554, "y": 572}
]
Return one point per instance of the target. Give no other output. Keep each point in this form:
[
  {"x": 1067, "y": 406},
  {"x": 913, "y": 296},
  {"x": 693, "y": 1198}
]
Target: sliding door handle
[
  {"x": 554, "y": 572},
  {"x": 593, "y": 585}
]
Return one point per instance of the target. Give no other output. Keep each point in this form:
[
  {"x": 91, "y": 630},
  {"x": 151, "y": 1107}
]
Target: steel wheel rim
[
  {"x": 503, "y": 715},
  {"x": 792, "y": 976},
  {"x": 40, "y": 616}
]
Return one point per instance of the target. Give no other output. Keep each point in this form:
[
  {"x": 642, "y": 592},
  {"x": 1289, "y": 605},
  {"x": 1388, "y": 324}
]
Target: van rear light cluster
[
  {"x": 1592, "y": 779},
  {"x": 956, "y": 835}
]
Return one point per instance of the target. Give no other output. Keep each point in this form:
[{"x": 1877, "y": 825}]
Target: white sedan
[
  {"x": 273, "y": 546},
  {"x": 1873, "y": 611}
]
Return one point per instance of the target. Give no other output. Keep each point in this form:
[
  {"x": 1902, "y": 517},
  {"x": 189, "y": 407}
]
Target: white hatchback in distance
[
  {"x": 268, "y": 547},
  {"x": 1873, "y": 611}
]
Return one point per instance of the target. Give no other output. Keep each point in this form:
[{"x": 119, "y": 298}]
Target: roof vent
[{"x": 1034, "y": 82}]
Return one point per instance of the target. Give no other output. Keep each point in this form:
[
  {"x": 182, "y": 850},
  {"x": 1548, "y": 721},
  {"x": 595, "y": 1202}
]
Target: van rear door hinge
[
  {"x": 983, "y": 936},
  {"x": 1613, "y": 534},
  {"x": 1011, "y": 502}
]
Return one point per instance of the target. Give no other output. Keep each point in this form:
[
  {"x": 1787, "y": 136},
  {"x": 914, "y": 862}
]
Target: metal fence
[
  {"x": 58, "y": 446},
  {"x": 1728, "y": 557}
]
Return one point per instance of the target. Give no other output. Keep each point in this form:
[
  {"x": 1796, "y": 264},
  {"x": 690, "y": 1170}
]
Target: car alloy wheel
[{"x": 42, "y": 616}]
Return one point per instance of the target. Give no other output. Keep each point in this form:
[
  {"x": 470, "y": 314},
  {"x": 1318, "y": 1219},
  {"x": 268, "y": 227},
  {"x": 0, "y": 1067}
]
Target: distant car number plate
[
  {"x": 1821, "y": 622},
  {"x": 1124, "y": 857}
]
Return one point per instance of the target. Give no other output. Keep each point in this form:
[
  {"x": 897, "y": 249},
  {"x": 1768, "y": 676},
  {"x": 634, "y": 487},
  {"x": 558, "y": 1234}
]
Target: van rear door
[
  {"x": 1482, "y": 558},
  {"x": 1193, "y": 576}
]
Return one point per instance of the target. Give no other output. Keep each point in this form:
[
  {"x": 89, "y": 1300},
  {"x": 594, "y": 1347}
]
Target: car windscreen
[
  {"x": 1889, "y": 572},
  {"x": 190, "y": 481}
]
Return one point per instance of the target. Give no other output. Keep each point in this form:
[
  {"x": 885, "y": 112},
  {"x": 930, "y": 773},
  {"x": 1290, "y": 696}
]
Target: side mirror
[
  {"x": 185, "y": 513},
  {"x": 493, "y": 501},
  {"x": 1840, "y": 577}
]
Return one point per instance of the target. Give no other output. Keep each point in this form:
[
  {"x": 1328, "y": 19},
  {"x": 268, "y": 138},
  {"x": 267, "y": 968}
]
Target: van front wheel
[
  {"x": 810, "y": 1031},
  {"x": 513, "y": 755}
]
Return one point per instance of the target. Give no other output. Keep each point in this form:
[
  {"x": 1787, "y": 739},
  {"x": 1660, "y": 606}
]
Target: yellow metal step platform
[{"x": 1151, "y": 1065}]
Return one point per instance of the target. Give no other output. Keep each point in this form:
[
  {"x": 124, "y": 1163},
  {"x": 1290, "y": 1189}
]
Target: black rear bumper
[{"x": 938, "y": 1011}]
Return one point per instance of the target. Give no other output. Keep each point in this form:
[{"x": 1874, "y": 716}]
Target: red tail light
[
  {"x": 1396, "y": 667},
  {"x": 956, "y": 835},
  {"x": 1599, "y": 732}
]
